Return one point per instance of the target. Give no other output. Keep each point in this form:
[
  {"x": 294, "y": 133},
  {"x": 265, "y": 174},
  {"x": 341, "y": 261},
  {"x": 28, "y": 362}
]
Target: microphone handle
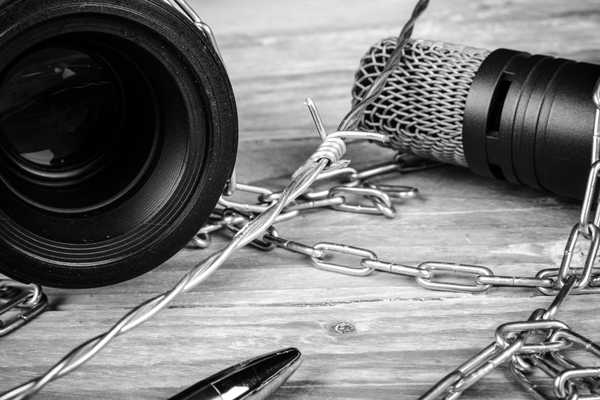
[{"x": 529, "y": 119}]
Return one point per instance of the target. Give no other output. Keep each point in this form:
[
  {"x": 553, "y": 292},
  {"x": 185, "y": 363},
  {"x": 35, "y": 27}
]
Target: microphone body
[{"x": 506, "y": 114}]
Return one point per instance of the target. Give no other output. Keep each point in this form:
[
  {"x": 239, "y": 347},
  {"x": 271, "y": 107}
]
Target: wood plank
[{"x": 393, "y": 338}]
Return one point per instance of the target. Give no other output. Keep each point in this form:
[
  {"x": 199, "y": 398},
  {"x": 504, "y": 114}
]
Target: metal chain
[
  {"x": 19, "y": 304},
  {"x": 441, "y": 276}
]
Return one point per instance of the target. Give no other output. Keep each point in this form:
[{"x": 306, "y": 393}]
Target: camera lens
[
  {"x": 57, "y": 108},
  {"x": 118, "y": 132}
]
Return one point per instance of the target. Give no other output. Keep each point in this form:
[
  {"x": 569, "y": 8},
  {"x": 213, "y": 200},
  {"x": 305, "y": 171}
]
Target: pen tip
[
  {"x": 275, "y": 369},
  {"x": 260, "y": 376}
]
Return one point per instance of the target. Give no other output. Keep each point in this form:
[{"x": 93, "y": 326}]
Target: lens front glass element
[
  {"x": 78, "y": 124},
  {"x": 58, "y": 107}
]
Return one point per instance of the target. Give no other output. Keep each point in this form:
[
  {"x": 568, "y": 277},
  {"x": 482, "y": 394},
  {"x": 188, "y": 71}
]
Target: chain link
[
  {"x": 570, "y": 379},
  {"x": 19, "y": 304}
]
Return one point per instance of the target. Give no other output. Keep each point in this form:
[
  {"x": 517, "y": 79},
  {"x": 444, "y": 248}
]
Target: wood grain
[{"x": 398, "y": 339}]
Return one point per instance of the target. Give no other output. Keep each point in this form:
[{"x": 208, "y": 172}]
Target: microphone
[{"x": 506, "y": 114}]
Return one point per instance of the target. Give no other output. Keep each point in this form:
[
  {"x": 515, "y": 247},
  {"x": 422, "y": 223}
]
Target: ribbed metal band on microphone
[{"x": 423, "y": 104}]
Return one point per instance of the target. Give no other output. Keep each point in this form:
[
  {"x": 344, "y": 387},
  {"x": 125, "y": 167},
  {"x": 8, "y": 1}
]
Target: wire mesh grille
[{"x": 423, "y": 103}]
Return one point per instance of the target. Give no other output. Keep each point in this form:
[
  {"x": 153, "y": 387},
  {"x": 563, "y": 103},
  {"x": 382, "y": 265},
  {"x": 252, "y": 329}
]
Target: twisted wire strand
[
  {"x": 352, "y": 119},
  {"x": 329, "y": 153},
  {"x": 422, "y": 105}
]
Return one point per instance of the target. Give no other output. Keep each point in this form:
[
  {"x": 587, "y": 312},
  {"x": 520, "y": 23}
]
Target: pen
[{"x": 254, "y": 379}]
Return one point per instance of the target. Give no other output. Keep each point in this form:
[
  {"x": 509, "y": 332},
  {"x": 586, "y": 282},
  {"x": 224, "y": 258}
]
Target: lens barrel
[{"x": 118, "y": 132}]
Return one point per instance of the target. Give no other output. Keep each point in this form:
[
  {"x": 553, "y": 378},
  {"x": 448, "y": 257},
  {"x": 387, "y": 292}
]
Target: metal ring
[{"x": 327, "y": 248}]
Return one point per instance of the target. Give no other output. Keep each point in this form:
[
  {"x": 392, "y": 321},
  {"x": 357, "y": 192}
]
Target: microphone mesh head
[{"x": 423, "y": 103}]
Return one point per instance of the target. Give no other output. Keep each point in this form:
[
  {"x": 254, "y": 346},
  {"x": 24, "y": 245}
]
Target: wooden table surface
[{"x": 379, "y": 337}]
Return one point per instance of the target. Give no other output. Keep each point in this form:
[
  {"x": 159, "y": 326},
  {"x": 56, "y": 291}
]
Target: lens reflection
[{"x": 58, "y": 109}]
